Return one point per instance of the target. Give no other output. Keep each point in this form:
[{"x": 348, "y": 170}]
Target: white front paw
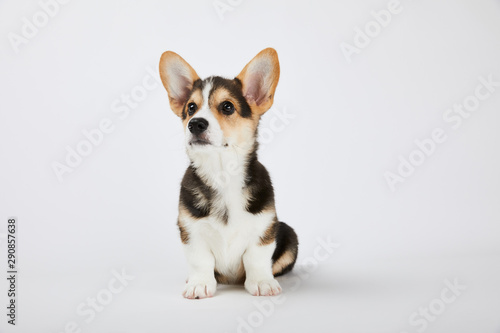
[
  {"x": 197, "y": 288},
  {"x": 263, "y": 287}
]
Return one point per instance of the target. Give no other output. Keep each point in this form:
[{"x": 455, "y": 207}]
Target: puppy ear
[
  {"x": 178, "y": 78},
  {"x": 259, "y": 79}
]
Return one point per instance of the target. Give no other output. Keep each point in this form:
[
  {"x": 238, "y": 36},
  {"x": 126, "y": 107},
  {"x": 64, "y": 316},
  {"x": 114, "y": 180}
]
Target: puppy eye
[
  {"x": 192, "y": 107},
  {"x": 227, "y": 108}
]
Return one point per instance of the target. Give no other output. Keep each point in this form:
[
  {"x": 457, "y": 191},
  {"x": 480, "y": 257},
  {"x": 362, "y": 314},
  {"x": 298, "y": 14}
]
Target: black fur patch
[
  {"x": 197, "y": 197},
  {"x": 191, "y": 185},
  {"x": 235, "y": 89},
  {"x": 224, "y": 217},
  {"x": 259, "y": 185}
]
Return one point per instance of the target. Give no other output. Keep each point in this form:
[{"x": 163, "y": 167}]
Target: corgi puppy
[{"x": 227, "y": 219}]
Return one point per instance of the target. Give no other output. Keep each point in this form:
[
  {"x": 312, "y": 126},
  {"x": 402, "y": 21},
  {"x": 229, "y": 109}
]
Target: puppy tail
[{"x": 287, "y": 249}]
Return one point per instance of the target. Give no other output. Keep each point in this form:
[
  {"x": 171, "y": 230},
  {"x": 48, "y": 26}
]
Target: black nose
[{"x": 198, "y": 125}]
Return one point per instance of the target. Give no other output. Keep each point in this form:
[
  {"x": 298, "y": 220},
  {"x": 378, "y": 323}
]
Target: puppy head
[{"x": 219, "y": 113}]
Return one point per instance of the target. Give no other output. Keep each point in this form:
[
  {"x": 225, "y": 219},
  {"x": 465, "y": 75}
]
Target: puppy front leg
[
  {"x": 201, "y": 281},
  {"x": 258, "y": 268}
]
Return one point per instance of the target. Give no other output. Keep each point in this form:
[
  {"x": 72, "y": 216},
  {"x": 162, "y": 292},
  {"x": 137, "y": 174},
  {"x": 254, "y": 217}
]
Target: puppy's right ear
[{"x": 178, "y": 78}]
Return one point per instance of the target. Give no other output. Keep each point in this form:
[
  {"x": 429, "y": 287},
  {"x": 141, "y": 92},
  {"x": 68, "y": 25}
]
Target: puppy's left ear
[{"x": 259, "y": 79}]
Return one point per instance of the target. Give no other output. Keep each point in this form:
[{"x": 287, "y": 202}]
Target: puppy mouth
[{"x": 199, "y": 141}]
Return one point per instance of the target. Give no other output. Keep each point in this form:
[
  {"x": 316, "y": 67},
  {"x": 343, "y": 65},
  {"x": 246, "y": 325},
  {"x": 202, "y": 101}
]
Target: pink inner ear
[
  {"x": 254, "y": 88},
  {"x": 181, "y": 89},
  {"x": 179, "y": 81},
  {"x": 185, "y": 92}
]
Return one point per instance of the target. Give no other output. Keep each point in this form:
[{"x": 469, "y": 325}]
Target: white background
[{"x": 117, "y": 209}]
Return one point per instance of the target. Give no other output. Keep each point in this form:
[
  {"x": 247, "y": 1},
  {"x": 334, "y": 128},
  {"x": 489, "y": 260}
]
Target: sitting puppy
[{"x": 227, "y": 218}]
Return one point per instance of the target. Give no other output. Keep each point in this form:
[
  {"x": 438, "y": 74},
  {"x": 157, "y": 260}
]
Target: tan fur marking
[
  {"x": 183, "y": 232},
  {"x": 232, "y": 126},
  {"x": 239, "y": 279},
  {"x": 270, "y": 234},
  {"x": 286, "y": 259},
  {"x": 183, "y": 213},
  {"x": 221, "y": 278},
  {"x": 197, "y": 98}
]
